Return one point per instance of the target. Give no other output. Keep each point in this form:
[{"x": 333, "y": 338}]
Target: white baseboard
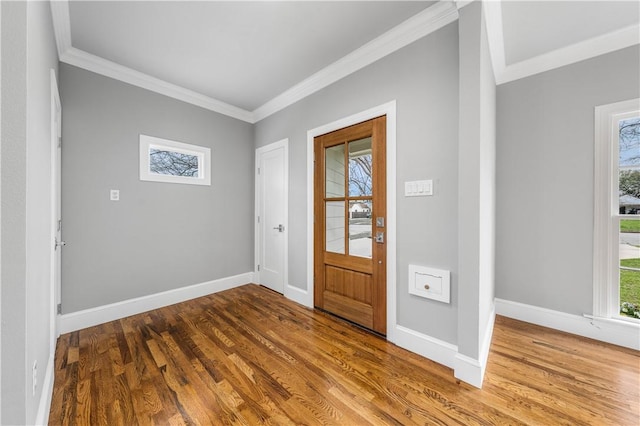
[
  {"x": 101, "y": 314},
  {"x": 298, "y": 295},
  {"x": 472, "y": 370},
  {"x": 429, "y": 347},
  {"x": 42, "y": 417},
  {"x": 469, "y": 370},
  {"x": 617, "y": 332},
  {"x": 486, "y": 342}
]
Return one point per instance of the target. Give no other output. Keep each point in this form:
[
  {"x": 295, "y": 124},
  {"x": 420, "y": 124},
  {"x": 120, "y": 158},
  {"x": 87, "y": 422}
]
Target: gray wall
[
  {"x": 42, "y": 56},
  {"x": 423, "y": 78},
  {"x": 159, "y": 236},
  {"x": 545, "y": 179},
  {"x": 14, "y": 184},
  {"x": 476, "y": 198},
  {"x": 28, "y": 54}
]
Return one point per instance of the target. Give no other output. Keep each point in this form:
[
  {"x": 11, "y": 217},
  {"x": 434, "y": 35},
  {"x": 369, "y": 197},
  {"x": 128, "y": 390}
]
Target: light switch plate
[{"x": 418, "y": 188}]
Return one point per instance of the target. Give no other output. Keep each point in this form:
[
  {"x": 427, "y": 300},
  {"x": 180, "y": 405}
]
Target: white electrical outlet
[
  {"x": 114, "y": 195},
  {"x": 35, "y": 377}
]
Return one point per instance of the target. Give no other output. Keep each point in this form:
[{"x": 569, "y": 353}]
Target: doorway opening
[{"x": 350, "y": 215}]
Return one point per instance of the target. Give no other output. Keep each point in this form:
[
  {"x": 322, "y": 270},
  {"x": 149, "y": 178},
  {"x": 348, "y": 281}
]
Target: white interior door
[
  {"x": 272, "y": 184},
  {"x": 56, "y": 205}
]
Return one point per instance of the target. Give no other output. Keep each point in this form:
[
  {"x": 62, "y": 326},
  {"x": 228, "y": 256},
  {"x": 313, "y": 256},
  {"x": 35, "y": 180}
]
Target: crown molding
[
  {"x": 89, "y": 62},
  {"x": 568, "y": 55},
  {"x": 462, "y": 3},
  {"x": 61, "y": 25},
  {"x": 416, "y": 27},
  {"x": 79, "y": 58},
  {"x": 587, "y": 49},
  {"x": 495, "y": 36}
]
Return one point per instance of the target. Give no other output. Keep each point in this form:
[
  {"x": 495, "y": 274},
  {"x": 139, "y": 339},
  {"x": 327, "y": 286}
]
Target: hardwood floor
[{"x": 249, "y": 356}]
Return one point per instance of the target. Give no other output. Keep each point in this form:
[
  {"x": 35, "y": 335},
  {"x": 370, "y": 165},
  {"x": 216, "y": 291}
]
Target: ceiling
[
  {"x": 533, "y": 28},
  {"x": 249, "y": 59}
]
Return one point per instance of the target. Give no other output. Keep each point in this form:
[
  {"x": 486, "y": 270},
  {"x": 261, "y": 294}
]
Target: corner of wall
[
  {"x": 616, "y": 332},
  {"x": 434, "y": 349},
  {"x": 472, "y": 370},
  {"x": 99, "y": 315}
]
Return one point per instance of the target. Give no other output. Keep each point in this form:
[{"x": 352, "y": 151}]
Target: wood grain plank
[{"x": 249, "y": 356}]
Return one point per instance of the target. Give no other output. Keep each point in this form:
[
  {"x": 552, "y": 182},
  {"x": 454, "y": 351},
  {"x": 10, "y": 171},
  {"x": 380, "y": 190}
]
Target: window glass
[
  {"x": 334, "y": 171},
  {"x": 334, "y": 227},
  {"x": 360, "y": 178},
  {"x": 629, "y": 216},
  {"x": 172, "y": 163},
  {"x": 360, "y": 242}
]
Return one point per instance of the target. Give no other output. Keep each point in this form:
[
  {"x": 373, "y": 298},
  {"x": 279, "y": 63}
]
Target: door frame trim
[
  {"x": 56, "y": 132},
  {"x": 388, "y": 109},
  {"x": 284, "y": 143}
]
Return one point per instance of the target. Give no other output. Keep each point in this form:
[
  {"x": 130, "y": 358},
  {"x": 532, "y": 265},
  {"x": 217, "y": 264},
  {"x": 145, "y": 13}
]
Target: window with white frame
[
  {"x": 163, "y": 160},
  {"x": 617, "y": 211}
]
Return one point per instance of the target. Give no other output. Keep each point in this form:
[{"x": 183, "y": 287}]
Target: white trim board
[
  {"x": 472, "y": 370},
  {"x": 429, "y": 347},
  {"x": 465, "y": 368},
  {"x": 558, "y": 58},
  {"x": 414, "y": 28},
  {"x": 298, "y": 295},
  {"x": 420, "y": 25},
  {"x": 44, "y": 406},
  {"x": 617, "y": 332},
  {"x": 572, "y": 54},
  {"x": 98, "y": 65},
  {"x": 114, "y": 311}
]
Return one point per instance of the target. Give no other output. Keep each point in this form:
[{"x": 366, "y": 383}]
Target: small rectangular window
[{"x": 163, "y": 160}]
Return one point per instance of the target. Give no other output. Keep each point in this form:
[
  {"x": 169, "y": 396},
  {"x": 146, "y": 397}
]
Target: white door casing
[
  {"x": 56, "y": 206},
  {"x": 388, "y": 109},
  {"x": 272, "y": 187}
]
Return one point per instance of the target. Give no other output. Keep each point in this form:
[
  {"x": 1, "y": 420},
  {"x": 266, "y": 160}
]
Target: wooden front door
[{"x": 349, "y": 232}]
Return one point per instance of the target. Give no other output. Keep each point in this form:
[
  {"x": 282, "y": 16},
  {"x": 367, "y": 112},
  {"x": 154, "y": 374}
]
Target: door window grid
[{"x": 349, "y": 168}]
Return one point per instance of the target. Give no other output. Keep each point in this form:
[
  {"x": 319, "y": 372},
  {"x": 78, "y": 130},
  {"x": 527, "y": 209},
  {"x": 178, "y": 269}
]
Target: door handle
[
  {"x": 280, "y": 228},
  {"x": 57, "y": 243},
  {"x": 380, "y": 237}
]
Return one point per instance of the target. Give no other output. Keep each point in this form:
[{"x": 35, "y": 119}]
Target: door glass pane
[
  {"x": 360, "y": 242},
  {"x": 334, "y": 171},
  {"x": 334, "y": 226},
  {"x": 360, "y": 177}
]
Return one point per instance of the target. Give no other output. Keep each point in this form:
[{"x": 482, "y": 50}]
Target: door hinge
[
  {"x": 59, "y": 308},
  {"x": 59, "y": 225},
  {"x": 258, "y": 170},
  {"x": 59, "y": 141},
  {"x": 258, "y": 219},
  {"x": 258, "y": 268}
]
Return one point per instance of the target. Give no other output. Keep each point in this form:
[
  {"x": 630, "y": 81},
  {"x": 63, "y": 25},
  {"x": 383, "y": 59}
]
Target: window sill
[{"x": 629, "y": 322}]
